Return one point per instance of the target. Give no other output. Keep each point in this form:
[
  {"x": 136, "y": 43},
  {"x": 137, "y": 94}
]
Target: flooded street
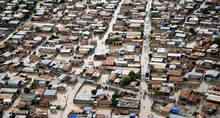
[
  {"x": 67, "y": 100},
  {"x": 145, "y": 108}
]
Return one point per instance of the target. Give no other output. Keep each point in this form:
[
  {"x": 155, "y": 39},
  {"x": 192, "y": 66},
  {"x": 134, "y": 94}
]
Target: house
[
  {"x": 194, "y": 98},
  {"x": 185, "y": 93},
  {"x": 83, "y": 98},
  {"x": 131, "y": 103},
  {"x": 22, "y": 113},
  {"x": 50, "y": 93},
  {"x": 39, "y": 92},
  {"x": 41, "y": 114},
  {"x": 15, "y": 83},
  {"x": 193, "y": 75},
  {"x": 45, "y": 102},
  {"x": 176, "y": 116},
  {"x": 100, "y": 55},
  {"x": 51, "y": 50},
  {"x": 6, "y": 56},
  {"x": 66, "y": 51},
  {"x": 211, "y": 74},
  {"x": 27, "y": 97},
  {"x": 101, "y": 93},
  {"x": 89, "y": 72},
  {"x": 213, "y": 98},
  {"x": 62, "y": 86},
  {"x": 100, "y": 115},
  {"x": 104, "y": 103},
  {"x": 7, "y": 99},
  {"x": 163, "y": 109},
  {"x": 10, "y": 90},
  {"x": 209, "y": 107},
  {"x": 121, "y": 63}
]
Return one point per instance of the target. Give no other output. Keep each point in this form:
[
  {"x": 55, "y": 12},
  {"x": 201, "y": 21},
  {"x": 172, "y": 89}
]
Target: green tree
[
  {"x": 35, "y": 2},
  {"x": 133, "y": 76},
  {"x": 204, "y": 11},
  {"x": 192, "y": 30},
  {"x": 37, "y": 29},
  {"x": 58, "y": 106},
  {"x": 151, "y": 31},
  {"x": 33, "y": 85},
  {"x": 125, "y": 81},
  {"x": 2, "y": 8},
  {"x": 114, "y": 102},
  {"x": 141, "y": 10},
  {"x": 27, "y": 90},
  {"x": 52, "y": 37},
  {"x": 115, "y": 95},
  {"x": 170, "y": 37},
  {"x": 152, "y": 37},
  {"x": 141, "y": 30},
  {"x": 20, "y": 1},
  {"x": 39, "y": 74},
  {"x": 26, "y": 16},
  {"x": 99, "y": 4},
  {"x": 111, "y": 81},
  {"x": 15, "y": 8},
  {"x": 125, "y": 25},
  {"x": 113, "y": 39},
  {"x": 164, "y": 104},
  {"x": 156, "y": 92},
  {"x": 153, "y": 9},
  {"x": 150, "y": 55},
  {"x": 62, "y": 1},
  {"x": 94, "y": 91},
  {"x": 33, "y": 102},
  {"x": 26, "y": 107},
  {"x": 36, "y": 69},
  {"x": 116, "y": 33},
  {"x": 217, "y": 40},
  {"x": 153, "y": 15}
]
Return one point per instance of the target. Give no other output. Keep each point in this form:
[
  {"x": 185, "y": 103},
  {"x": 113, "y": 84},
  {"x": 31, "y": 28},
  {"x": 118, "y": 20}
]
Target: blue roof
[
  {"x": 73, "y": 116},
  {"x": 122, "y": 52},
  {"x": 174, "y": 109},
  {"x": 132, "y": 114}
]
